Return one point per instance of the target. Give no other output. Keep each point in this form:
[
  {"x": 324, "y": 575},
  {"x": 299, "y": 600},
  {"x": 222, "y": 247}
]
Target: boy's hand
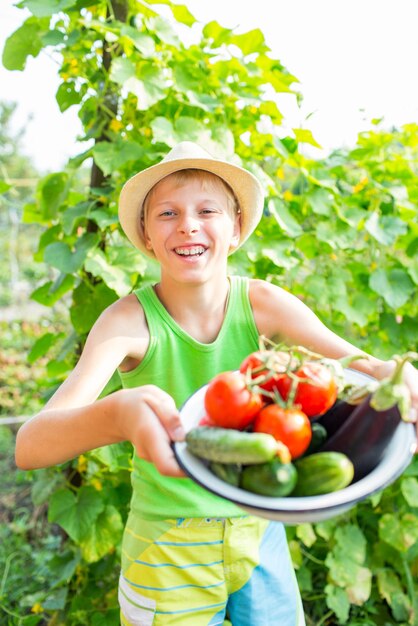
[
  {"x": 149, "y": 418},
  {"x": 411, "y": 379}
]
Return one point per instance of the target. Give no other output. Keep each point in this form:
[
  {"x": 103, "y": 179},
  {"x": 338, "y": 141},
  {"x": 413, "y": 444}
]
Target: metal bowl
[{"x": 292, "y": 510}]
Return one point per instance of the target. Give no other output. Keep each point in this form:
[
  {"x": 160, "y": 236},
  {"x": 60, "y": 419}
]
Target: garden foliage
[{"x": 339, "y": 232}]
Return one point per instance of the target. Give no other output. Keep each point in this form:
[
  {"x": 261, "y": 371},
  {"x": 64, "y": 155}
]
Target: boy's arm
[
  {"x": 74, "y": 421},
  {"x": 280, "y": 315}
]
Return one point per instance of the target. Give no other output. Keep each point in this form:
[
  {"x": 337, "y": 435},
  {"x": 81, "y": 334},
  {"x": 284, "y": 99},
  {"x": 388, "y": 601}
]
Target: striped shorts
[{"x": 197, "y": 572}]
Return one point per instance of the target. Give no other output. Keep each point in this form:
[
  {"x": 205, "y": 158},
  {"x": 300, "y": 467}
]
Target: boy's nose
[{"x": 188, "y": 224}]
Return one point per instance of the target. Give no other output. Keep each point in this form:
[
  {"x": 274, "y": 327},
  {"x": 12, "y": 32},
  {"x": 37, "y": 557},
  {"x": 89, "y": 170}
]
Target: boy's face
[{"x": 190, "y": 229}]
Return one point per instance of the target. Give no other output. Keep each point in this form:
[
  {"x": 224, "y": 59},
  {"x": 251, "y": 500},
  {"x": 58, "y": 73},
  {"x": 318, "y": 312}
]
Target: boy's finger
[
  {"x": 155, "y": 442},
  {"x": 169, "y": 417}
]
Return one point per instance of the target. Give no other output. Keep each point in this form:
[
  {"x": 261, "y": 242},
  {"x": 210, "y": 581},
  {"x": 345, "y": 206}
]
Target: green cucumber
[
  {"x": 275, "y": 478},
  {"x": 319, "y": 436},
  {"x": 229, "y": 472},
  {"x": 323, "y": 472},
  {"x": 226, "y": 445}
]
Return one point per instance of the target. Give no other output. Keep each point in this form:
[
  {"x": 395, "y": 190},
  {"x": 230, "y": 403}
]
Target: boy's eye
[
  {"x": 168, "y": 212},
  {"x": 207, "y": 210}
]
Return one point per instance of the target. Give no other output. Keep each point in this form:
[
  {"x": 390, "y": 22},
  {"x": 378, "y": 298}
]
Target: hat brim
[{"x": 246, "y": 187}]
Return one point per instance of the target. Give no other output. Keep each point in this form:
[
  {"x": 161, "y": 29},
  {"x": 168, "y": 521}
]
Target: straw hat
[{"x": 185, "y": 155}]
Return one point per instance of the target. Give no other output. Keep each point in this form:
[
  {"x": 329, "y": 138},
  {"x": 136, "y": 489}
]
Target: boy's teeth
[{"x": 190, "y": 251}]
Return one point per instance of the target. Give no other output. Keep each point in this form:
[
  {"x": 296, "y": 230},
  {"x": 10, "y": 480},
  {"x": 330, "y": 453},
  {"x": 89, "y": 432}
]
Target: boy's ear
[
  {"x": 237, "y": 232},
  {"x": 147, "y": 240}
]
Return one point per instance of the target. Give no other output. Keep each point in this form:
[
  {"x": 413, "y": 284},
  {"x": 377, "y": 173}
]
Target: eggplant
[
  {"x": 335, "y": 417},
  {"x": 364, "y": 436},
  {"x": 368, "y": 430}
]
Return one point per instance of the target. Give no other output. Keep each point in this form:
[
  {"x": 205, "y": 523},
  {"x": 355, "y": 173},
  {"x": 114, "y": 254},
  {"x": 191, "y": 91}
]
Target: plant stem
[
  {"x": 312, "y": 558},
  {"x": 324, "y": 618},
  {"x": 6, "y": 571},
  {"x": 409, "y": 583}
]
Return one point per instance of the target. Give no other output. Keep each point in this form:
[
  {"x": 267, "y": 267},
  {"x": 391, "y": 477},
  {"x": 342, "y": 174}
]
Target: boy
[{"x": 187, "y": 555}]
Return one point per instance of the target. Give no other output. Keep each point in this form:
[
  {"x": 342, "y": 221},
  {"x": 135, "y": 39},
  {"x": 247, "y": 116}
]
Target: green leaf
[
  {"x": 336, "y": 234},
  {"x": 4, "y": 187},
  {"x": 402, "y": 608},
  {"x": 23, "y": 42},
  {"x": 164, "y": 30},
  {"x": 32, "y": 214},
  {"x": 306, "y": 534},
  {"x": 98, "y": 296},
  {"x": 321, "y": 201},
  {"x": 53, "y": 38},
  {"x": 185, "y": 129},
  {"x": 337, "y": 601},
  {"x": 191, "y": 129},
  {"x": 142, "y": 42},
  {"x": 103, "y": 219},
  {"x": 61, "y": 256},
  {"x": 67, "y": 95},
  {"x": 111, "y": 156},
  {"x": 295, "y": 553},
  {"x": 150, "y": 89},
  {"x": 280, "y": 255},
  {"x": 283, "y": 217},
  {"x": 46, "y": 8},
  {"x": 56, "y": 600},
  {"x": 127, "y": 258},
  {"x": 351, "y": 539},
  {"x": 359, "y": 592},
  {"x": 395, "y": 286},
  {"x": 63, "y": 566},
  {"x": 343, "y": 570},
  {"x": 401, "y": 533},
  {"x": 121, "y": 70},
  {"x": 385, "y": 229},
  {"x": 250, "y": 42},
  {"x": 326, "y": 529},
  {"x": 163, "y": 131},
  {"x": 50, "y": 292},
  {"x": 391, "y": 590},
  {"x": 409, "y": 488},
  {"x": 412, "y": 267},
  {"x": 47, "y": 482},
  {"x": 388, "y": 584},
  {"x": 317, "y": 287},
  {"x": 76, "y": 513},
  {"x": 217, "y": 33},
  {"x": 115, "y": 277},
  {"x": 72, "y": 216},
  {"x": 115, "y": 457},
  {"x": 51, "y": 192},
  {"x": 305, "y": 136},
  {"x": 43, "y": 344},
  {"x": 103, "y": 535},
  {"x": 183, "y": 15}
]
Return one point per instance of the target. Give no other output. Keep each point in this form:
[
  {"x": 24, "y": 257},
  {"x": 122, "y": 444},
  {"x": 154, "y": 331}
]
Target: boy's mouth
[{"x": 190, "y": 250}]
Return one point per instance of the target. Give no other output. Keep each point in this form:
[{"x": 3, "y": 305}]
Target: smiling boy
[{"x": 187, "y": 555}]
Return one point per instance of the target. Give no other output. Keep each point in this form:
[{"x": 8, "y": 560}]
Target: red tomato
[
  {"x": 290, "y": 426},
  {"x": 229, "y": 403},
  {"x": 205, "y": 421},
  {"x": 256, "y": 364},
  {"x": 316, "y": 397}
]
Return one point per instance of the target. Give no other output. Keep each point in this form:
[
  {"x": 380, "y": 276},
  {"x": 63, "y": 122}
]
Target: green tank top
[{"x": 179, "y": 365}]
